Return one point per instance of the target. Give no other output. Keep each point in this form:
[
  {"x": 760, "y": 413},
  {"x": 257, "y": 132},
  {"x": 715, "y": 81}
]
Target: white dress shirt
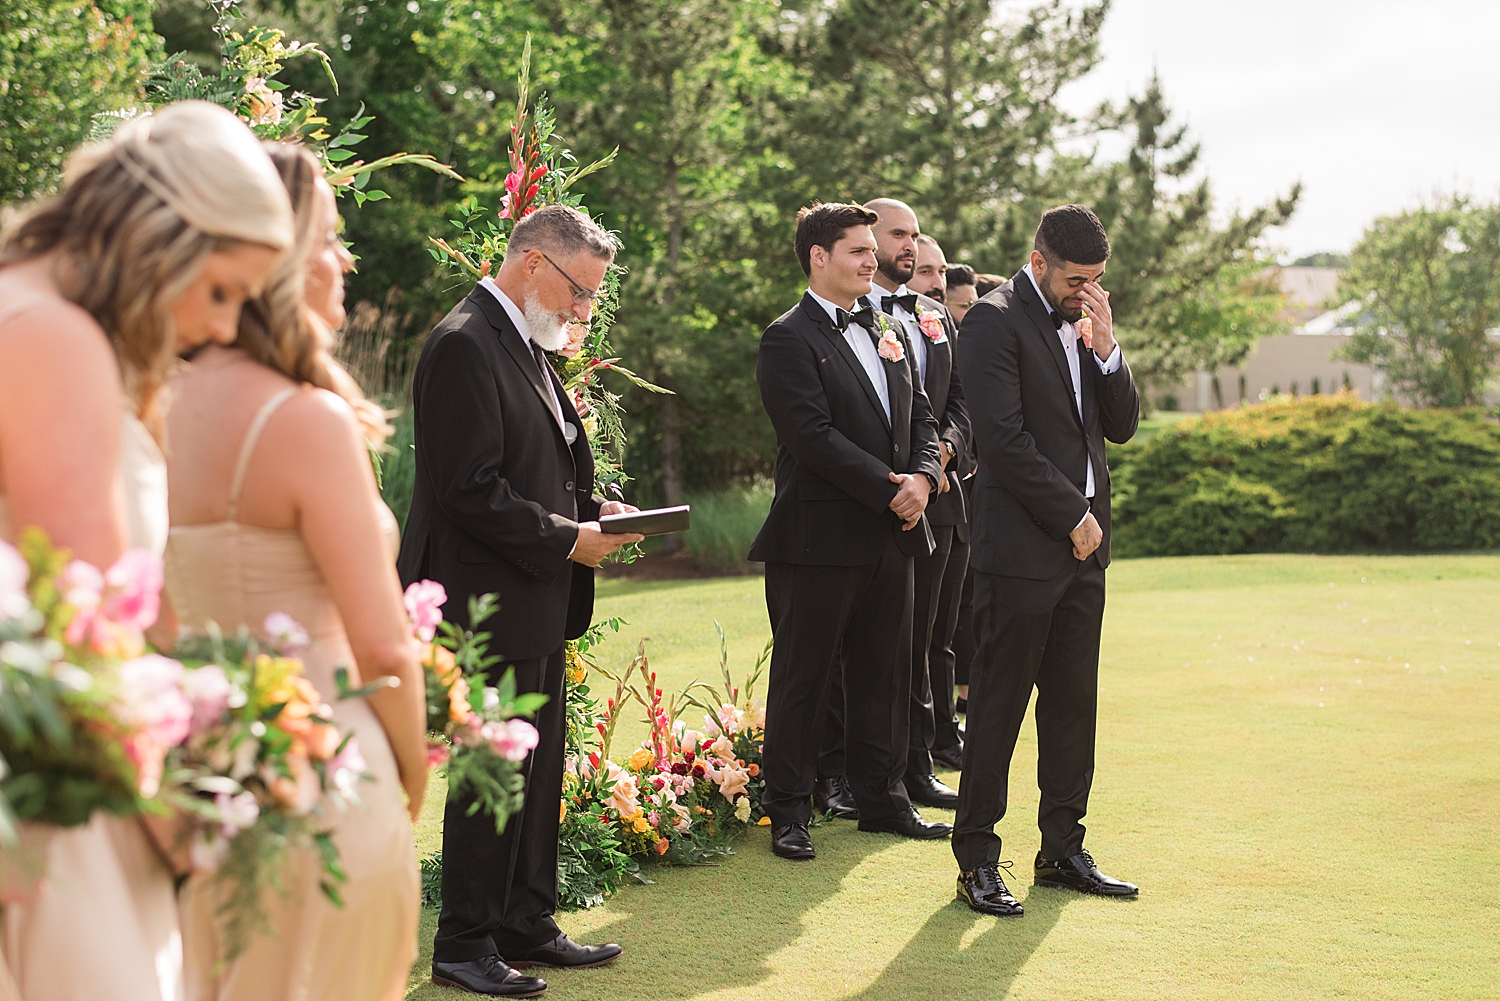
[
  {"x": 905, "y": 317},
  {"x": 524, "y": 329},
  {"x": 1069, "y": 338},
  {"x": 864, "y": 350}
]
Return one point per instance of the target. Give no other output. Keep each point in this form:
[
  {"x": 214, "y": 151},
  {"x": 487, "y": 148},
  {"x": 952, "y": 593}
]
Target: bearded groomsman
[
  {"x": 931, "y": 332},
  {"x": 1046, "y": 387},
  {"x": 856, "y": 460}
]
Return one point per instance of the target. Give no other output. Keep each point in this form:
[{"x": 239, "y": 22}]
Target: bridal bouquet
[
  {"x": 264, "y": 768},
  {"x": 474, "y": 730}
]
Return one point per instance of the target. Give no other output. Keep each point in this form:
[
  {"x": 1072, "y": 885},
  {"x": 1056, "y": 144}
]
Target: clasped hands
[
  {"x": 594, "y": 544},
  {"x": 911, "y": 498}
]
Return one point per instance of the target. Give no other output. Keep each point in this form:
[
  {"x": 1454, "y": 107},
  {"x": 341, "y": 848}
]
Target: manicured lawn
[{"x": 1297, "y": 761}]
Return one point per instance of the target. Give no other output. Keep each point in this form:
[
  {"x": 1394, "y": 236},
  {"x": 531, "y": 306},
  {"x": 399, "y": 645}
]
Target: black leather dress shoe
[
  {"x": 927, "y": 790},
  {"x": 1078, "y": 872},
  {"x": 564, "y": 953},
  {"x": 984, "y": 891},
  {"x": 793, "y": 842},
  {"x": 488, "y": 976},
  {"x": 950, "y": 757},
  {"x": 908, "y": 825},
  {"x": 835, "y": 799},
  {"x": 961, "y": 705}
]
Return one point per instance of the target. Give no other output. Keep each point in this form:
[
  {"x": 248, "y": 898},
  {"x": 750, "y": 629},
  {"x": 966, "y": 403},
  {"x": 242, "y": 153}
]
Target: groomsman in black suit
[
  {"x": 503, "y": 502},
  {"x": 856, "y": 461},
  {"x": 931, "y": 333},
  {"x": 1044, "y": 395}
]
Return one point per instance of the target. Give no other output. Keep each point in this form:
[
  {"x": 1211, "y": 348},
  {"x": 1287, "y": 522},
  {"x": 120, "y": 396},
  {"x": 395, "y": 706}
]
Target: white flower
[
  {"x": 742, "y": 809},
  {"x": 285, "y": 633}
]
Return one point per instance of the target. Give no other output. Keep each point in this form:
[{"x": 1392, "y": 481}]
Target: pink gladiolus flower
[
  {"x": 285, "y": 633},
  {"x": 209, "y": 690},
  {"x": 423, "y": 601},
  {"x": 13, "y": 576}
]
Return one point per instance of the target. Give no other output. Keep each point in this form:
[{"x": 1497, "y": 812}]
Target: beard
[
  {"x": 1070, "y": 313},
  {"x": 897, "y": 270},
  {"x": 548, "y": 329}
]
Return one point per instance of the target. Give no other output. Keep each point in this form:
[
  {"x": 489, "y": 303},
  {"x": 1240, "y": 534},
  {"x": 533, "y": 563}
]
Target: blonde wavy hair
[
  {"x": 136, "y": 219},
  {"x": 277, "y": 328}
]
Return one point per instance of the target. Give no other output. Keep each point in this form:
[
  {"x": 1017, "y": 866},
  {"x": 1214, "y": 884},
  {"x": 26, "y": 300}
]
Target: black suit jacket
[
  {"x": 499, "y": 491},
  {"x": 1033, "y": 450},
  {"x": 834, "y": 447},
  {"x": 945, "y": 394}
]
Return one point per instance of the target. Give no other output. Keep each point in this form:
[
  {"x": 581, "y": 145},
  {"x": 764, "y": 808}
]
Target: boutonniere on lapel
[
  {"x": 1085, "y": 328},
  {"x": 931, "y": 322},
  {"x": 890, "y": 347}
]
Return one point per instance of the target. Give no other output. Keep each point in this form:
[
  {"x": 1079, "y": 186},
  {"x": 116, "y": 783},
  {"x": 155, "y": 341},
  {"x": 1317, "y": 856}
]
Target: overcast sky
[{"x": 1372, "y": 104}]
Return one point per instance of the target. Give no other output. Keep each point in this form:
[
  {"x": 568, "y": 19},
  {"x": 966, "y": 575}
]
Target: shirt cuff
[
  {"x": 1110, "y": 365},
  {"x": 1083, "y": 519}
]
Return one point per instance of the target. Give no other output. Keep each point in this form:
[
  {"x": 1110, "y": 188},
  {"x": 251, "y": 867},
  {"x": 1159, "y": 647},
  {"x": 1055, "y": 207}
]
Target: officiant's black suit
[
  {"x": 498, "y": 495},
  {"x": 1037, "y": 610},
  {"x": 838, "y": 565},
  {"x": 931, "y": 632}
]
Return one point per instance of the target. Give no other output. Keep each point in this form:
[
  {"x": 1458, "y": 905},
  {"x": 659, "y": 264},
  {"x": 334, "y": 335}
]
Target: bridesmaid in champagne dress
[
  {"x": 88, "y": 279},
  {"x": 275, "y": 509}
]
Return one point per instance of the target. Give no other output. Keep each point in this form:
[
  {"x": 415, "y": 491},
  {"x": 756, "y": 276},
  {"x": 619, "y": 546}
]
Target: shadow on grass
[
  {"x": 706, "y": 905},
  {"x": 961, "y": 955}
]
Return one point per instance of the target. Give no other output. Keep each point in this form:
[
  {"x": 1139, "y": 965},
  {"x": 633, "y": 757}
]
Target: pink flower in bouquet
[
  {"x": 346, "y": 767},
  {"x": 437, "y": 753},
  {"x": 132, "y": 595},
  {"x": 932, "y": 326},
  {"x": 722, "y": 748},
  {"x": 890, "y": 347},
  {"x": 285, "y": 633},
  {"x": 322, "y": 741},
  {"x": 684, "y": 821},
  {"x": 113, "y": 608},
  {"x": 236, "y": 812},
  {"x": 653, "y": 818},
  {"x": 14, "y": 574},
  {"x": 424, "y": 600},
  {"x": 730, "y": 719},
  {"x": 623, "y": 795},
  {"x": 733, "y": 782},
  {"x": 152, "y": 699},
  {"x": 578, "y": 332},
  {"x": 298, "y": 792},
  {"x": 512, "y": 739},
  {"x": 209, "y": 690}
]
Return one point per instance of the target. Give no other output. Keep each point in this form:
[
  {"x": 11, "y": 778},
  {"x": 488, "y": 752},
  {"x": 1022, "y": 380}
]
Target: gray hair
[{"x": 567, "y": 232}]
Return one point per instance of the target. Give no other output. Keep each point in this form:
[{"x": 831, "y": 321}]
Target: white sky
[{"x": 1373, "y": 104}]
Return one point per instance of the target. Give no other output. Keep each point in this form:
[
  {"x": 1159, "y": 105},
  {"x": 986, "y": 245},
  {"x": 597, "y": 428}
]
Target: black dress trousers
[
  {"x": 1041, "y": 634},
  {"x": 942, "y": 657},
  {"x": 817, "y": 612},
  {"x": 927, "y": 577},
  {"x": 499, "y": 893}
]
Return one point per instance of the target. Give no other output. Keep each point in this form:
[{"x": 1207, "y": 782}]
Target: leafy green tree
[
  {"x": 1431, "y": 281},
  {"x": 1196, "y": 296},
  {"x": 62, "y": 62}
]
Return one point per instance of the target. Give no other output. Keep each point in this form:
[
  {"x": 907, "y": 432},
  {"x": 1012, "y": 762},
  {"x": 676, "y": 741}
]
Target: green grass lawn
[{"x": 1297, "y": 762}]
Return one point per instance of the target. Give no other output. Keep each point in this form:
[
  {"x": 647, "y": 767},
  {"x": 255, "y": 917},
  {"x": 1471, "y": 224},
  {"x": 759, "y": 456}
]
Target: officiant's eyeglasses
[{"x": 580, "y": 294}]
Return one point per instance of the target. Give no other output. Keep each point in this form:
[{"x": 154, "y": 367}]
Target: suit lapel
[
  {"x": 825, "y": 325},
  {"x": 1042, "y": 320},
  {"x": 520, "y": 352},
  {"x": 1088, "y": 369}
]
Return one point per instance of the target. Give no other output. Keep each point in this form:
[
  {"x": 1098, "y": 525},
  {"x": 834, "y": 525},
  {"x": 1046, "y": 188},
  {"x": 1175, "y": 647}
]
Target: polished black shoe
[
  {"x": 1078, "y": 872},
  {"x": 928, "y": 791},
  {"x": 793, "y": 842},
  {"x": 909, "y": 825},
  {"x": 951, "y": 757},
  {"x": 488, "y": 976},
  {"x": 564, "y": 953},
  {"x": 835, "y": 799},
  {"x": 984, "y": 891},
  {"x": 961, "y": 705}
]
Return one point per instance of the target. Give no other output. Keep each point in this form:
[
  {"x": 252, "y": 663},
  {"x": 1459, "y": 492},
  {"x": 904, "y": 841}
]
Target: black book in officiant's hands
[{"x": 658, "y": 521}]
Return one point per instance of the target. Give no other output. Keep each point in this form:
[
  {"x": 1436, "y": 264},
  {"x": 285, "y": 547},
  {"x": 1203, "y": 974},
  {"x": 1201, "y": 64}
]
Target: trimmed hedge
[{"x": 1323, "y": 474}]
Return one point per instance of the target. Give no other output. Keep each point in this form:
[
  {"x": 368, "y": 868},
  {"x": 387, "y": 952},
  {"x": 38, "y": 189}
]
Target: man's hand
[
  {"x": 593, "y": 545},
  {"x": 945, "y": 452},
  {"x": 616, "y": 507},
  {"x": 1097, "y": 301},
  {"x": 1086, "y": 537},
  {"x": 911, "y": 498}
]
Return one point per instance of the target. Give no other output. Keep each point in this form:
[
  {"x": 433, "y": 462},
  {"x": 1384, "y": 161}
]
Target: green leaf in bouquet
[
  {"x": 526, "y": 704},
  {"x": 506, "y": 689},
  {"x": 341, "y": 679}
]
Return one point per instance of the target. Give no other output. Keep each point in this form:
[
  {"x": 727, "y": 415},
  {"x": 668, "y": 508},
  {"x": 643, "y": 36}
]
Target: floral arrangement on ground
[{"x": 680, "y": 798}]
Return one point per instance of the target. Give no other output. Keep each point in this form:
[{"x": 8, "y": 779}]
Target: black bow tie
[
  {"x": 864, "y": 316},
  {"x": 907, "y": 302},
  {"x": 1057, "y": 320}
]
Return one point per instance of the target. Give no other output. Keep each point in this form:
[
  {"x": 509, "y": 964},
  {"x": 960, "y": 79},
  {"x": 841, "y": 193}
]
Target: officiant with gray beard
[{"x": 504, "y": 503}]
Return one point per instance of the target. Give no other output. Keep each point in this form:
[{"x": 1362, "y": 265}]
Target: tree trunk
[{"x": 671, "y": 428}]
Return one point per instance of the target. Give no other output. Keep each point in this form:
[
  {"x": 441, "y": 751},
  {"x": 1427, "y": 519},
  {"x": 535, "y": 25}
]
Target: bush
[
  {"x": 1320, "y": 475},
  {"x": 725, "y": 524},
  {"x": 398, "y": 467}
]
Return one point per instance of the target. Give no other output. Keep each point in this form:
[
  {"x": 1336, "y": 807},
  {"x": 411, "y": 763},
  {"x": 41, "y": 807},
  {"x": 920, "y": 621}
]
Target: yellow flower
[
  {"x": 764, "y": 822},
  {"x": 639, "y": 825},
  {"x": 641, "y": 759},
  {"x": 562, "y": 810}
]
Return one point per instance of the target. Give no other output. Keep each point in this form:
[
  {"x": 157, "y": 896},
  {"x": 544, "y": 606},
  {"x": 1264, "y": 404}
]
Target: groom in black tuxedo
[
  {"x": 856, "y": 461},
  {"x": 1044, "y": 393},
  {"x": 503, "y": 502}
]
